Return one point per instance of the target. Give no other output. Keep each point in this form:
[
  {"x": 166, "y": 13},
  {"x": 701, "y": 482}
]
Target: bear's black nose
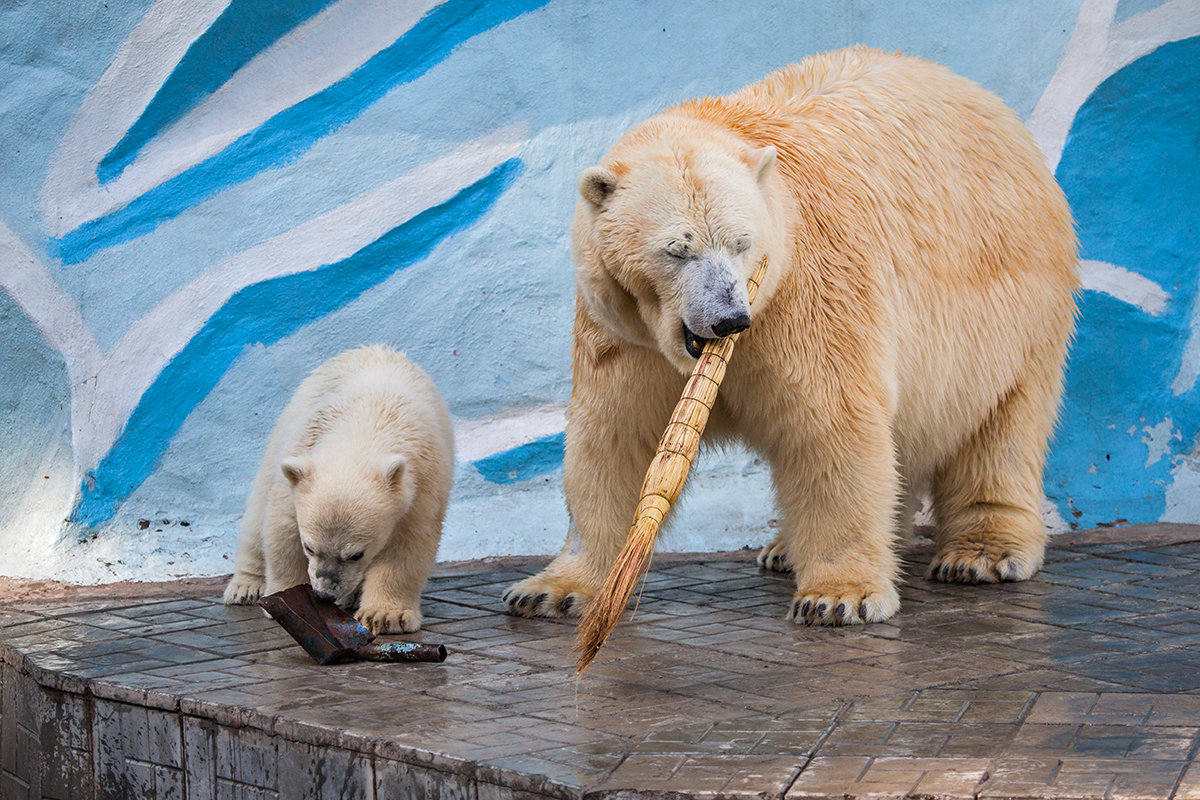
[{"x": 732, "y": 325}]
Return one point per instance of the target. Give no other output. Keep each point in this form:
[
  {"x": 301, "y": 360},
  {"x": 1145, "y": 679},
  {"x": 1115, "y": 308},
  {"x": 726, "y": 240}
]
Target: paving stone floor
[{"x": 1082, "y": 683}]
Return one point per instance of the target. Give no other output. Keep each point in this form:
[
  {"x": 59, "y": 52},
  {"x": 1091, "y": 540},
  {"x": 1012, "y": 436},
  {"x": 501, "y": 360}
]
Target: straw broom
[{"x": 664, "y": 481}]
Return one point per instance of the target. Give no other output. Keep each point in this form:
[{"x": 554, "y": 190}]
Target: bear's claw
[
  {"x": 544, "y": 597},
  {"x": 389, "y": 619},
  {"x": 774, "y": 557},
  {"x": 980, "y": 562},
  {"x": 244, "y": 590}
]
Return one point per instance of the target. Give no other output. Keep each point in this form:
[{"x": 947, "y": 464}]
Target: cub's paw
[
  {"x": 547, "y": 596},
  {"x": 843, "y": 604},
  {"x": 392, "y": 618},
  {"x": 982, "y": 562},
  {"x": 775, "y": 557},
  {"x": 244, "y": 590}
]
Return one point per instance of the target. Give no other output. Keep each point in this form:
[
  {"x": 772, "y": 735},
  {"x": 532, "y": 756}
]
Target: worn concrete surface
[{"x": 1082, "y": 683}]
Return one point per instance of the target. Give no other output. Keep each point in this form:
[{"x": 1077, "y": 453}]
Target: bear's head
[
  {"x": 347, "y": 510},
  {"x": 669, "y": 229}
]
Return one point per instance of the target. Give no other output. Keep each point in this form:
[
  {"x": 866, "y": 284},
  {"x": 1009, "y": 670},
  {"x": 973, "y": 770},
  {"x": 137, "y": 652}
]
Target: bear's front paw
[
  {"x": 243, "y": 589},
  {"x": 982, "y": 562},
  {"x": 393, "y": 618},
  {"x": 546, "y": 595},
  {"x": 775, "y": 557},
  {"x": 833, "y": 604}
]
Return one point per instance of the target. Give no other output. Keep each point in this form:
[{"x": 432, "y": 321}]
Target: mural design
[
  {"x": 288, "y": 133},
  {"x": 1130, "y": 168},
  {"x": 227, "y": 192}
]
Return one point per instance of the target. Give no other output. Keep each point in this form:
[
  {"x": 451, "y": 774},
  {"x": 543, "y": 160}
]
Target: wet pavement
[{"x": 1082, "y": 683}]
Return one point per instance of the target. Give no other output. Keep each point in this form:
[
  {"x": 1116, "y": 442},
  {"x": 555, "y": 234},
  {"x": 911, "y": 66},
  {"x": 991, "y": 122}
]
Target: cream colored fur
[
  {"x": 360, "y": 462},
  {"x": 910, "y": 334}
]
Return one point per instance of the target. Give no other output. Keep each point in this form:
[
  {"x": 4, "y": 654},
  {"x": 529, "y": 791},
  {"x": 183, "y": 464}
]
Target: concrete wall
[{"x": 204, "y": 199}]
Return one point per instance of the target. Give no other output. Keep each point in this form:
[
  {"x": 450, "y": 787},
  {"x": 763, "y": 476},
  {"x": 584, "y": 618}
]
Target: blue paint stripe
[
  {"x": 263, "y": 314},
  {"x": 243, "y": 30},
  {"x": 290, "y": 133},
  {"x": 1131, "y": 210},
  {"x": 527, "y": 461}
]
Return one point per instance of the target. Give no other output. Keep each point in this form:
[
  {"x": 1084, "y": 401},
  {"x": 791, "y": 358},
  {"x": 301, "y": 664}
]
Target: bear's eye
[
  {"x": 355, "y": 557},
  {"x": 678, "y": 249},
  {"x": 307, "y": 549},
  {"x": 741, "y": 244}
]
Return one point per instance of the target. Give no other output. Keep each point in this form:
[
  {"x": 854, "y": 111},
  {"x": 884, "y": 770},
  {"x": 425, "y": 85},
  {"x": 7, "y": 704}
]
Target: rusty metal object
[{"x": 331, "y": 636}]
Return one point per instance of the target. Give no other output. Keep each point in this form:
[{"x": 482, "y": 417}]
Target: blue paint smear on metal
[
  {"x": 1130, "y": 168},
  {"x": 263, "y": 314},
  {"x": 243, "y": 30},
  {"x": 290, "y": 133},
  {"x": 527, "y": 461}
]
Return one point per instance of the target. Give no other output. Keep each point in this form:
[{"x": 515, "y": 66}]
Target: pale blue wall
[{"x": 119, "y": 200}]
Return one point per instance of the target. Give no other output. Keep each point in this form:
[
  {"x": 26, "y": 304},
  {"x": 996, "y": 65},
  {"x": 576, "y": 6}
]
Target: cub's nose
[
  {"x": 732, "y": 325},
  {"x": 325, "y": 586}
]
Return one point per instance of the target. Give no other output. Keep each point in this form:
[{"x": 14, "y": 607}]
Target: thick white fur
[
  {"x": 910, "y": 334},
  {"x": 360, "y": 461}
]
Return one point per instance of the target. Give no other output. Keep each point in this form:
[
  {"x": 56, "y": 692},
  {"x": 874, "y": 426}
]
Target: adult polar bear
[{"x": 910, "y": 333}]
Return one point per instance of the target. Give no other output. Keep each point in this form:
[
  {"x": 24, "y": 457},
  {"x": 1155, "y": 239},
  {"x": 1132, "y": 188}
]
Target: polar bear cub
[{"x": 352, "y": 491}]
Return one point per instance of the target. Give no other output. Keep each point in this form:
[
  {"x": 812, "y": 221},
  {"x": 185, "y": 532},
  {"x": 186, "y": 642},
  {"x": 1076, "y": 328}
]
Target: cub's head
[
  {"x": 346, "y": 512},
  {"x": 669, "y": 228}
]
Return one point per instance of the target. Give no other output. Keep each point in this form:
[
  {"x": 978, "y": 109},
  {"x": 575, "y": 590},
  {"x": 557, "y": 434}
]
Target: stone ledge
[{"x": 1084, "y": 682}]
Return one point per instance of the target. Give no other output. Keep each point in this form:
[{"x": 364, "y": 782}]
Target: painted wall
[{"x": 204, "y": 199}]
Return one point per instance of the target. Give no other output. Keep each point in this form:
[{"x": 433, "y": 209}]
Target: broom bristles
[
  {"x": 606, "y": 608},
  {"x": 664, "y": 481}
]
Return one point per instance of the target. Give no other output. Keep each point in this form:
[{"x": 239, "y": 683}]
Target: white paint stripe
[
  {"x": 1140, "y": 291},
  {"x": 151, "y": 342},
  {"x": 1078, "y": 74},
  {"x": 70, "y": 193},
  {"x": 30, "y": 531},
  {"x": 55, "y": 314},
  {"x": 1127, "y": 286},
  {"x": 60, "y": 321},
  {"x": 1189, "y": 363},
  {"x": 1098, "y": 49},
  {"x": 320, "y": 52},
  {"x": 1143, "y": 33},
  {"x": 479, "y": 438}
]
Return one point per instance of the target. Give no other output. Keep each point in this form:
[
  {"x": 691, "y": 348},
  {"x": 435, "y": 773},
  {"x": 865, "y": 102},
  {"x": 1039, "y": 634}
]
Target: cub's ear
[
  {"x": 761, "y": 160},
  {"x": 296, "y": 469},
  {"x": 597, "y": 184},
  {"x": 392, "y": 467}
]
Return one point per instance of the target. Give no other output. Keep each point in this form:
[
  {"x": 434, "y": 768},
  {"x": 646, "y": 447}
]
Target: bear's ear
[
  {"x": 761, "y": 160},
  {"x": 392, "y": 469},
  {"x": 597, "y": 184},
  {"x": 296, "y": 469}
]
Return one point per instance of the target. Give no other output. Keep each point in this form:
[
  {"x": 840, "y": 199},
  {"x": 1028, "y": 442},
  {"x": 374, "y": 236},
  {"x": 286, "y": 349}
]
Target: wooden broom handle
[
  {"x": 680, "y": 442},
  {"x": 664, "y": 480}
]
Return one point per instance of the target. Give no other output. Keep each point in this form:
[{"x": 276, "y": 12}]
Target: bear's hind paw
[
  {"x": 540, "y": 596},
  {"x": 774, "y": 557},
  {"x": 981, "y": 563}
]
